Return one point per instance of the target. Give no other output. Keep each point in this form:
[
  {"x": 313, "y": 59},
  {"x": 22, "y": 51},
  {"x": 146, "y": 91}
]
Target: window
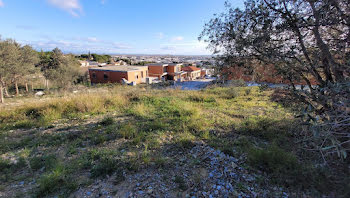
[
  {"x": 165, "y": 69},
  {"x": 105, "y": 76},
  {"x": 137, "y": 76},
  {"x": 142, "y": 74},
  {"x": 94, "y": 75}
]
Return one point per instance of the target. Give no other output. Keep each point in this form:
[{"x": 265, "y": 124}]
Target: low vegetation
[{"x": 119, "y": 130}]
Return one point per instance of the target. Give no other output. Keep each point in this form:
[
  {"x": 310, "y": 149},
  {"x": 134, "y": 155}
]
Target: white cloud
[
  {"x": 103, "y": 2},
  {"x": 194, "y": 47},
  {"x": 2, "y": 3},
  {"x": 177, "y": 38},
  {"x": 79, "y": 45},
  {"x": 73, "y": 7}
]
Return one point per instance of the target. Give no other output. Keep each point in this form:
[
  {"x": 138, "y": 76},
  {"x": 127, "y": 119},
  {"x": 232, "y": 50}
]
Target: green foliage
[
  {"x": 274, "y": 160},
  {"x": 102, "y": 162},
  {"x": 231, "y": 93},
  {"x": 128, "y": 131},
  {"x": 267, "y": 128},
  {"x": 33, "y": 115},
  {"x": 148, "y": 122},
  {"x": 285, "y": 169},
  {"x": 107, "y": 121},
  {"x": 101, "y": 58},
  {"x": 60, "y": 68},
  {"x": 47, "y": 161},
  {"x": 56, "y": 181}
]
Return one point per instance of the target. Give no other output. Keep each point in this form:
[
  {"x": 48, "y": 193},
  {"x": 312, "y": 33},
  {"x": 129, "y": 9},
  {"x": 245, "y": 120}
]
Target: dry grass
[{"x": 155, "y": 118}]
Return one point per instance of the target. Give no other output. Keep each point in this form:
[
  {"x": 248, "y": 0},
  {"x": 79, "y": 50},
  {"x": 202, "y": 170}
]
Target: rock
[
  {"x": 234, "y": 165},
  {"x": 39, "y": 93}
]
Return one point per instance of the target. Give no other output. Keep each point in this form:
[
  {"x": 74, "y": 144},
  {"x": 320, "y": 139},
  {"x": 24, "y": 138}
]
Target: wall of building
[
  {"x": 137, "y": 76},
  {"x": 113, "y": 76},
  {"x": 174, "y": 68},
  {"x": 155, "y": 70}
]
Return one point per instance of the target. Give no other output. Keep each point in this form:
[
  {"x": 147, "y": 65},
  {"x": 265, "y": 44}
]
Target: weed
[
  {"x": 231, "y": 93},
  {"x": 55, "y": 181},
  {"x": 106, "y": 121},
  {"x": 128, "y": 131},
  {"x": 247, "y": 91},
  {"x": 47, "y": 161}
]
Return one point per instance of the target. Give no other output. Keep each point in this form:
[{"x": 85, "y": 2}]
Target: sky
[{"x": 110, "y": 26}]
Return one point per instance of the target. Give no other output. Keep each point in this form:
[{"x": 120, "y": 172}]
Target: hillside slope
[{"x": 141, "y": 142}]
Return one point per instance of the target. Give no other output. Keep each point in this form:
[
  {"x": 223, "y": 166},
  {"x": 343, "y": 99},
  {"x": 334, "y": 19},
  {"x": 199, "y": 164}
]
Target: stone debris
[{"x": 200, "y": 172}]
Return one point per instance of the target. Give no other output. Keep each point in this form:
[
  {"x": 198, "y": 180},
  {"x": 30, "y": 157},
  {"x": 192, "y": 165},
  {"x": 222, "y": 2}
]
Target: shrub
[
  {"x": 231, "y": 93},
  {"x": 106, "y": 121},
  {"x": 128, "y": 131},
  {"x": 247, "y": 91},
  {"x": 283, "y": 166},
  {"x": 47, "y": 161},
  {"x": 55, "y": 181}
]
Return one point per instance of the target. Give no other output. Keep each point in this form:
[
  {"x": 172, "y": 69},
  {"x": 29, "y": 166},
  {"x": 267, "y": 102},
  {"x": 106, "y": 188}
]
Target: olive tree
[
  {"x": 304, "y": 40},
  {"x": 59, "y": 68}
]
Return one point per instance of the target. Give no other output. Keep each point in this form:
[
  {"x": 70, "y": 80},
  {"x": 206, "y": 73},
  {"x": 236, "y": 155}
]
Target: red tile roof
[{"x": 190, "y": 69}]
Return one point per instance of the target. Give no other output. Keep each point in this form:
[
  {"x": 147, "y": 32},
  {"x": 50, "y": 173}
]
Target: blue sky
[{"x": 110, "y": 26}]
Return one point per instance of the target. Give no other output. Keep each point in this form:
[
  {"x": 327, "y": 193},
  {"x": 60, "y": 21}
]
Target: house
[
  {"x": 93, "y": 63},
  {"x": 175, "y": 72},
  {"x": 158, "y": 70},
  {"x": 120, "y": 62},
  {"x": 207, "y": 72},
  {"x": 163, "y": 71},
  {"x": 116, "y": 74},
  {"x": 192, "y": 72},
  {"x": 84, "y": 63}
]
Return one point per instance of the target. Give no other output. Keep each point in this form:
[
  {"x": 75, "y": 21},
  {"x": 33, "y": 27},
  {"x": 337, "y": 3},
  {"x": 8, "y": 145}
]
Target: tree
[
  {"x": 25, "y": 64},
  {"x": 8, "y": 60},
  {"x": 59, "y": 68},
  {"x": 303, "y": 40}
]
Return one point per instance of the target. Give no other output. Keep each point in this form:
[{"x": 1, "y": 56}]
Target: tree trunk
[
  {"x": 6, "y": 92},
  {"x": 47, "y": 84},
  {"x": 1, "y": 94},
  {"x": 27, "y": 89},
  {"x": 16, "y": 85}
]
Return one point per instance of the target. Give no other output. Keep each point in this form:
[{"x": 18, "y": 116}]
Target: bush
[
  {"x": 47, "y": 161},
  {"x": 231, "y": 93},
  {"x": 282, "y": 166},
  {"x": 55, "y": 181},
  {"x": 128, "y": 131},
  {"x": 106, "y": 121}
]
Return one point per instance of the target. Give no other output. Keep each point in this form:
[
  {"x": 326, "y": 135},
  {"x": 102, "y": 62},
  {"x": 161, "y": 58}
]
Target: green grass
[{"x": 125, "y": 129}]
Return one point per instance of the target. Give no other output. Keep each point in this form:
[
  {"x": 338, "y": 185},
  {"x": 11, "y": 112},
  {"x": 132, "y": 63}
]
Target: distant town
[{"x": 136, "y": 69}]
